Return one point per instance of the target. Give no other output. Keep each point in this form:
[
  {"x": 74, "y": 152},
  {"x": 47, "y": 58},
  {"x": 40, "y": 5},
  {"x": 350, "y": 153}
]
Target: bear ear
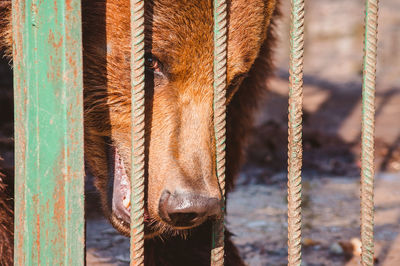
[{"x": 5, "y": 28}]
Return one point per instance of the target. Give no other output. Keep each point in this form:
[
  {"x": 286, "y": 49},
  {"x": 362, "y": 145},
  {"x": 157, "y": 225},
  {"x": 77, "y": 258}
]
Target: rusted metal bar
[
  {"x": 220, "y": 62},
  {"x": 137, "y": 132},
  {"x": 367, "y": 134},
  {"x": 295, "y": 131},
  {"x": 49, "y": 203}
]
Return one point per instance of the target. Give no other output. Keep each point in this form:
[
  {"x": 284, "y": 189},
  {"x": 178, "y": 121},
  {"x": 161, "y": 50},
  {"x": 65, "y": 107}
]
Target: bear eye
[{"x": 153, "y": 64}]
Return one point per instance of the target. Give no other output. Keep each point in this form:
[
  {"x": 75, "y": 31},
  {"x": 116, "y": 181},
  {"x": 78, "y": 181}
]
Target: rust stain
[
  {"x": 35, "y": 200},
  {"x": 55, "y": 7},
  {"x": 68, "y": 5},
  {"x": 53, "y": 42},
  {"x": 59, "y": 202}
]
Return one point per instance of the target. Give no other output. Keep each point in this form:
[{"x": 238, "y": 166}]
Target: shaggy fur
[
  {"x": 6, "y": 224},
  {"x": 179, "y": 127}
]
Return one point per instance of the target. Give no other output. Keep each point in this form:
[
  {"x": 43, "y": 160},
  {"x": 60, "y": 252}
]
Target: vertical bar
[
  {"x": 138, "y": 121},
  {"x": 295, "y": 131},
  {"x": 220, "y": 62},
  {"x": 367, "y": 134},
  {"x": 49, "y": 203}
]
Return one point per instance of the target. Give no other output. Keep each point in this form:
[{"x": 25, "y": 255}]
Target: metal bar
[
  {"x": 295, "y": 131},
  {"x": 220, "y": 62},
  {"x": 49, "y": 203},
  {"x": 137, "y": 134},
  {"x": 367, "y": 134}
]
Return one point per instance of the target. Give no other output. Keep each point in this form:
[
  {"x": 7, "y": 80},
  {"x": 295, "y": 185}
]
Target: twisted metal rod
[
  {"x": 137, "y": 132},
  {"x": 295, "y": 131},
  {"x": 220, "y": 62},
  {"x": 367, "y": 134}
]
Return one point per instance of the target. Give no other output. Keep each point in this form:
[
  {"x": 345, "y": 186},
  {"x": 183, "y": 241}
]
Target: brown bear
[{"x": 182, "y": 191}]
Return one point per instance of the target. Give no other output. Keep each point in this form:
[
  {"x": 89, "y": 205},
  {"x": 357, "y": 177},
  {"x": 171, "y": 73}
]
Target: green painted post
[{"x": 49, "y": 203}]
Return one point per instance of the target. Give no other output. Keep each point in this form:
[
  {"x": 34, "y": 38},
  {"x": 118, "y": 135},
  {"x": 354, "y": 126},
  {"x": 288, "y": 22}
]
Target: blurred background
[
  {"x": 332, "y": 121},
  {"x": 331, "y": 137}
]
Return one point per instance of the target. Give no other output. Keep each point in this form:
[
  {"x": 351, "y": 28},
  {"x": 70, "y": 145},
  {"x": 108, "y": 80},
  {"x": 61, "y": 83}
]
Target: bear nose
[{"x": 187, "y": 209}]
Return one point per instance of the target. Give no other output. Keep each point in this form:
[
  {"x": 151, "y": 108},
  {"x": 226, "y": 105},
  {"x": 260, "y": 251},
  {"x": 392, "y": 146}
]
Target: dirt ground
[
  {"x": 257, "y": 214},
  {"x": 332, "y": 108}
]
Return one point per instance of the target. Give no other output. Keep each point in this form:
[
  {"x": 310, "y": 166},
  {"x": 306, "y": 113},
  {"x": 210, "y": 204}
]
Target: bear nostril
[
  {"x": 187, "y": 209},
  {"x": 183, "y": 219}
]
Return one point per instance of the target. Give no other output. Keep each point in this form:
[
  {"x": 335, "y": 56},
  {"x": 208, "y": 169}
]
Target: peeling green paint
[{"x": 48, "y": 93}]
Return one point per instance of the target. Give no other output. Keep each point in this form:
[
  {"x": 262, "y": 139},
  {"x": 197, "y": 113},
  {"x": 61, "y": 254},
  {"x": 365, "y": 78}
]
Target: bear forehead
[{"x": 182, "y": 34}]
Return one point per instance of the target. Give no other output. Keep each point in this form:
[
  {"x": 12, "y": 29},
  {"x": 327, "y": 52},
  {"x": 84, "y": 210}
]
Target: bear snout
[{"x": 185, "y": 210}]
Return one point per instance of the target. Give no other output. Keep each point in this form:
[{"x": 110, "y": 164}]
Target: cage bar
[
  {"x": 48, "y": 97},
  {"x": 367, "y": 132},
  {"x": 137, "y": 132},
  {"x": 295, "y": 131},
  {"x": 219, "y": 106}
]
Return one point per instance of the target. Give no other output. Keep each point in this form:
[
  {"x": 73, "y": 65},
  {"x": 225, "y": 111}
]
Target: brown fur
[
  {"x": 179, "y": 126},
  {"x": 6, "y": 224}
]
